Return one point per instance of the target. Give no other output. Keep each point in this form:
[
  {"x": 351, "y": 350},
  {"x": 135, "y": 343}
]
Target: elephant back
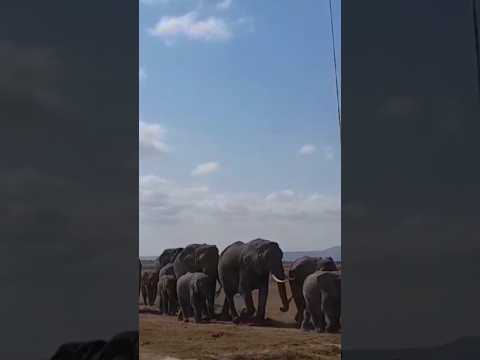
[
  {"x": 167, "y": 270},
  {"x": 233, "y": 246},
  {"x": 185, "y": 260},
  {"x": 194, "y": 258},
  {"x": 326, "y": 264},
  {"x": 168, "y": 256},
  {"x": 328, "y": 281},
  {"x": 302, "y": 267}
]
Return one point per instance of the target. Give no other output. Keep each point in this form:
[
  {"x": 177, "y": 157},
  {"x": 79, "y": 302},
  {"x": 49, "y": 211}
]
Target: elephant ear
[
  {"x": 259, "y": 257},
  {"x": 247, "y": 264},
  {"x": 187, "y": 256}
]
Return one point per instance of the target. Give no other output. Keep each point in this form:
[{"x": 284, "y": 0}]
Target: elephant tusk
[{"x": 278, "y": 280}]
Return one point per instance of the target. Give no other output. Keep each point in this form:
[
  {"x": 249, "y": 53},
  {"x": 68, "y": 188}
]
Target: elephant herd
[{"x": 185, "y": 280}]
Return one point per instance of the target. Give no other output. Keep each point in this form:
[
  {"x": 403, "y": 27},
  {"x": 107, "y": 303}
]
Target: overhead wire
[{"x": 335, "y": 70}]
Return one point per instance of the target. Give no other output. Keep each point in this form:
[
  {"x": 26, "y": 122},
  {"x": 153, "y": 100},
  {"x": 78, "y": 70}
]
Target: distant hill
[{"x": 335, "y": 252}]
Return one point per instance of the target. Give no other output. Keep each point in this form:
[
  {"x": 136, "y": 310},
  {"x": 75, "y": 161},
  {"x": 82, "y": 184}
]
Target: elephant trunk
[
  {"x": 282, "y": 291},
  {"x": 280, "y": 279}
]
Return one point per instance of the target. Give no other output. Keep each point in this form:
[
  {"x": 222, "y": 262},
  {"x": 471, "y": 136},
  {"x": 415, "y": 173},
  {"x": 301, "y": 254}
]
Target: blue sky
[{"x": 238, "y": 123}]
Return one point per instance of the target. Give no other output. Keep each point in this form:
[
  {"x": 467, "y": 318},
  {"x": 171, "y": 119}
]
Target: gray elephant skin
[
  {"x": 149, "y": 287},
  {"x": 167, "y": 293},
  {"x": 144, "y": 287},
  {"x": 298, "y": 272},
  {"x": 244, "y": 267},
  {"x": 193, "y": 290},
  {"x": 199, "y": 258},
  {"x": 322, "y": 293},
  {"x": 165, "y": 259},
  {"x": 168, "y": 256},
  {"x": 167, "y": 270}
]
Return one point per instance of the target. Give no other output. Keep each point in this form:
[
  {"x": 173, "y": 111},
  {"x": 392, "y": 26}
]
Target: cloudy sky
[{"x": 238, "y": 123}]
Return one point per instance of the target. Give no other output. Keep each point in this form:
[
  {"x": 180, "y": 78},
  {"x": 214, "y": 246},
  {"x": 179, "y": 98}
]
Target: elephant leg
[
  {"x": 248, "y": 312},
  {"x": 299, "y": 302},
  {"x": 318, "y": 322},
  {"x": 197, "y": 309},
  {"x": 306, "y": 324},
  {"x": 180, "y": 314},
  {"x": 229, "y": 311},
  {"x": 262, "y": 301},
  {"x": 185, "y": 313},
  {"x": 171, "y": 305},
  {"x": 175, "y": 304},
  {"x": 332, "y": 321},
  {"x": 211, "y": 300},
  {"x": 317, "y": 316},
  {"x": 206, "y": 308},
  {"x": 144, "y": 296},
  {"x": 166, "y": 305},
  {"x": 160, "y": 303},
  {"x": 225, "y": 315},
  {"x": 163, "y": 301},
  {"x": 233, "y": 309}
]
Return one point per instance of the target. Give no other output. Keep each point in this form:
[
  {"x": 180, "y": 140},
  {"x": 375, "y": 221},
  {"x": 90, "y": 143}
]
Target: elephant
[
  {"x": 167, "y": 293},
  {"x": 244, "y": 267},
  {"x": 199, "y": 258},
  {"x": 299, "y": 270},
  {"x": 167, "y": 270},
  {"x": 322, "y": 293},
  {"x": 193, "y": 291},
  {"x": 149, "y": 285},
  {"x": 167, "y": 257},
  {"x": 152, "y": 287}
]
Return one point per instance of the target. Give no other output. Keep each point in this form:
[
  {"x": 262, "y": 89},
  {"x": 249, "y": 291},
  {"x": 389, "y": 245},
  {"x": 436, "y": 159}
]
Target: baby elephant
[
  {"x": 167, "y": 291},
  {"x": 322, "y": 291},
  {"x": 192, "y": 291}
]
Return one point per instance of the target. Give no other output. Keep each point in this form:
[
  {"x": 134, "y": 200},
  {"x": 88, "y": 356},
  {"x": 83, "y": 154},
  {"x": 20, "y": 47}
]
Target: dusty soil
[{"x": 163, "y": 337}]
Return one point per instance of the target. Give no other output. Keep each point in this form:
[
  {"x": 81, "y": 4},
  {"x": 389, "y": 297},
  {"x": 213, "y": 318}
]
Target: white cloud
[
  {"x": 307, "y": 149},
  {"x": 284, "y": 194},
  {"x": 198, "y": 214},
  {"x": 163, "y": 198},
  {"x": 206, "y": 168},
  {"x": 328, "y": 152},
  {"x": 191, "y": 27},
  {"x": 142, "y": 74},
  {"x": 224, "y": 5},
  {"x": 152, "y": 138}
]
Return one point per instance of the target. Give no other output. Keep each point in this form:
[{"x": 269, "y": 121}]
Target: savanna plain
[{"x": 164, "y": 337}]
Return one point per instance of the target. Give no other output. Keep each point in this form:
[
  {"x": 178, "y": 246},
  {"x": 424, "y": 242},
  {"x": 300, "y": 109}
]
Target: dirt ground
[{"x": 163, "y": 337}]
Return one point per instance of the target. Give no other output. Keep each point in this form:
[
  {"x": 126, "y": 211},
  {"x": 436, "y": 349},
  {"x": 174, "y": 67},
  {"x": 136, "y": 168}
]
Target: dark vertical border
[
  {"x": 69, "y": 173},
  {"x": 410, "y": 183}
]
